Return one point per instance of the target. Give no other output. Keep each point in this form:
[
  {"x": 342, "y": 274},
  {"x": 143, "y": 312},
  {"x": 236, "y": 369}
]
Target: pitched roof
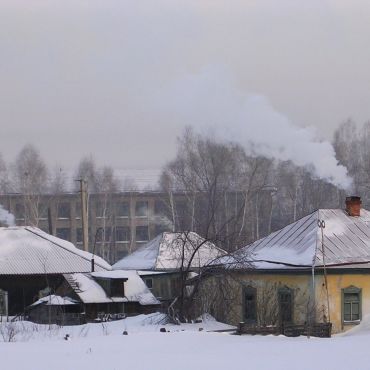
[
  {"x": 344, "y": 240},
  {"x": 90, "y": 291},
  {"x": 26, "y": 250},
  {"x": 165, "y": 252}
]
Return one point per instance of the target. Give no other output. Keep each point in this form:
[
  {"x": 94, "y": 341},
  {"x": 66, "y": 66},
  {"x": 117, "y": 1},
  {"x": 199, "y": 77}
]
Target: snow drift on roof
[
  {"x": 90, "y": 291},
  {"x": 28, "y": 250},
  {"x": 166, "y": 251},
  {"x": 346, "y": 241},
  {"x": 54, "y": 300}
]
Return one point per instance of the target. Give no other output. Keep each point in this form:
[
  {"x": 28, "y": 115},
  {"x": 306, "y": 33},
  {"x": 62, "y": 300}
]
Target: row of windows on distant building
[
  {"x": 118, "y": 234},
  {"x": 121, "y": 210}
]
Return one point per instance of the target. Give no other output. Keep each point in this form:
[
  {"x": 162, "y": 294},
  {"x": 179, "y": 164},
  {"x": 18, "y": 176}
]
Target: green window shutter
[
  {"x": 285, "y": 297},
  {"x": 250, "y": 304},
  {"x": 351, "y": 304}
]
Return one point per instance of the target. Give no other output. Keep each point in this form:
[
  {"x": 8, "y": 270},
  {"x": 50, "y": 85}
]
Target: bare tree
[
  {"x": 87, "y": 170},
  {"x": 106, "y": 186},
  {"x": 58, "y": 181},
  {"x": 30, "y": 178},
  {"x": 4, "y": 180}
]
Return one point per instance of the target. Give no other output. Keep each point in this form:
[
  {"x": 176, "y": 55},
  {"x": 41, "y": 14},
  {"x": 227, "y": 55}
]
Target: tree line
[{"x": 228, "y": 196}]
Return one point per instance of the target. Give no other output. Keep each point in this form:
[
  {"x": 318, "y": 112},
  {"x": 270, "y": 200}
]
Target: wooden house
[
  {"x": 163, "y": 261},
  {"x": 33, "y": 264}
]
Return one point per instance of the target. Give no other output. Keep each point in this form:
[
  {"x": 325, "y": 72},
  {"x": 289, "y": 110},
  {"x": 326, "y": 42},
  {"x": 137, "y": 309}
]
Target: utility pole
[{"x": 84, "y": 214}]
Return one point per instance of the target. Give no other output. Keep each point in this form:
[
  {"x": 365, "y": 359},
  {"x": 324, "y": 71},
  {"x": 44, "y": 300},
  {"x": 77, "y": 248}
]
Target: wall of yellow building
[
  {"x": 337, "y": 282},
  {"x": 300, "y": 284}
]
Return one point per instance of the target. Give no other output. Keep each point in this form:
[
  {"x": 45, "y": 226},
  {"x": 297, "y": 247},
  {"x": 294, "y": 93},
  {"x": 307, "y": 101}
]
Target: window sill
[{"x": 356, "y": 322}]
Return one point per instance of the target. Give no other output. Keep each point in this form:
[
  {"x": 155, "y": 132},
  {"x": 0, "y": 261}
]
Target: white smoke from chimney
[
  {"x": 212, "y": 103},
  {"x": 6, "y": 217}
]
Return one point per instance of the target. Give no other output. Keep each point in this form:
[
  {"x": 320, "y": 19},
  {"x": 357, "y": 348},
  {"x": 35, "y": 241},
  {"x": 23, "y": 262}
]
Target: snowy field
[{"x": 98, "y": 346}]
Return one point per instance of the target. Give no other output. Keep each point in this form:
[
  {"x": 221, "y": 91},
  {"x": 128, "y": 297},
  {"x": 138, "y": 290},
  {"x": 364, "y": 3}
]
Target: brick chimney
[{"x": 353, "y": 206}]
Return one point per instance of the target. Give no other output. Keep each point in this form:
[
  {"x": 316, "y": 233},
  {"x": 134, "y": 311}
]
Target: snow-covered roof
[
  {"x": 54, "y": 300},
  {"x": 345, "y": 241},
  {"x": 150, "y": 273},
  {"x": 90, "y": 291},
  {"x": 28, "y": 250},
  {"x": 166, "y": 251}
]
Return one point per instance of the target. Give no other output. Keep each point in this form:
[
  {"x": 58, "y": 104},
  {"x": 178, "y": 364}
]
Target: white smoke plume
[
  {"x": 212, "y": 103},
  {"x": 6, "y": 217}
]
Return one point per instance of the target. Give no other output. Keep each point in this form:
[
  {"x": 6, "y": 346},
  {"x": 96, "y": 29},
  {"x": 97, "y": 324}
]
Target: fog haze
[{"x": 81, "y": 77}]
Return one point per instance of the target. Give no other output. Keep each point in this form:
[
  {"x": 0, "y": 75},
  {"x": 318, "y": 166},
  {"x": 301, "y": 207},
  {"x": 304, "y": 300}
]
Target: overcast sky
[{"x": 80, "y": 77}]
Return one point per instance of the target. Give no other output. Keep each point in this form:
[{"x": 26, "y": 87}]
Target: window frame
[
  {"x": 138, "y": 209},
  {"x": 138, "y": 227},
  {"x": 125, "y": 230},
  {"x": 352, "y": 290},
  {"x": 64, "y": 205},
  {"x": 250, "y": 290},
  {"x": 149, "y": 281},
  {"x": 282, "y": 291},
  {"x": 120, "y": 207}
]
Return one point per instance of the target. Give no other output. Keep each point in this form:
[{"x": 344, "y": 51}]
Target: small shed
[{"x": 54, "y": 309}]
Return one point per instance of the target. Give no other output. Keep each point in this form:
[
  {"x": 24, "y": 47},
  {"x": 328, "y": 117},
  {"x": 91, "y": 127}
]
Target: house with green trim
[{"x": 315, "y": 270}]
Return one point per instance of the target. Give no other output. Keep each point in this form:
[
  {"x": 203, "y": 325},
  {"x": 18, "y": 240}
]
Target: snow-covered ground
[{"x": 98, "y": 346}]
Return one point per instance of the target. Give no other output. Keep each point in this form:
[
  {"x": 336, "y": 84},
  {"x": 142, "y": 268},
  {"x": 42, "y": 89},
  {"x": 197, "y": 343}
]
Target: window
[
  {"x": 285, "y": 305},
  {"x": 351, "y": 298},
  {"x": 78, "y": 210},
  {"x": 142, "y": 233},
  {"x": 160, "y": 207},
  {"x": 122, "y": 233},
  {"x": 103, "y": 234},
  {"x": 79, "y": 235},
  {"x": 64, "y": 233},
  {"x": 101, "y": 209},
  {"x": 117, "y": 288},
  {"x": 42, "y": 211},
  {"x": 141, "y": 208},
  {"x": 123, "y": 209},
  {"x": 19, "y": 211},
  {"x": 149, "y": 283},
  {"x": 250, "y": 304},
  {"x": 64, "y": 210}
]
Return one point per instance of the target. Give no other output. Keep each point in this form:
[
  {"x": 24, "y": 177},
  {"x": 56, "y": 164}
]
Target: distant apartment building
[{"x": 118, "y": 223}]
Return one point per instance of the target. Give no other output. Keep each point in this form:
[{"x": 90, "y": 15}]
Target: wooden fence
[{"x": 321, "y": 330}]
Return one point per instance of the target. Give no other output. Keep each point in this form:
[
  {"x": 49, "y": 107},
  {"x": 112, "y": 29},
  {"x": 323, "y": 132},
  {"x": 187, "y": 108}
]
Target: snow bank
[{"x": 97, "y": 347}]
